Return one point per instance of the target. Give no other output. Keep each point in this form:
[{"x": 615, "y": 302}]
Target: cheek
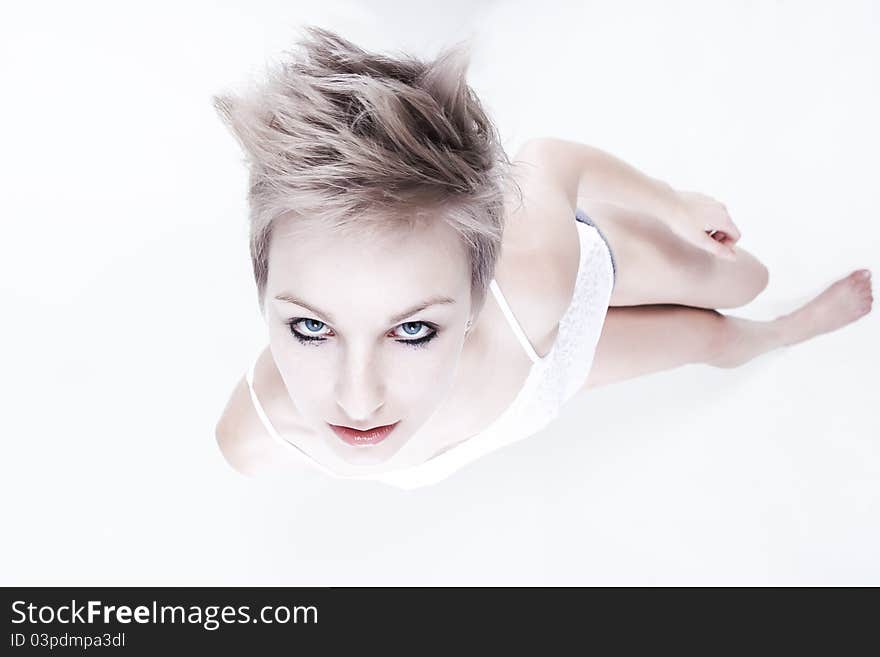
[
  {"x": 302, "y": 371},
  {"x": 307, "y": 378},
  {"x": 425, "y": 376}
]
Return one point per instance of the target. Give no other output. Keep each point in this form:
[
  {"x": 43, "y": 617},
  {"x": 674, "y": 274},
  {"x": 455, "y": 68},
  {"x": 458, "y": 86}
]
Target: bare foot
[{"x": 841, "y": 303}]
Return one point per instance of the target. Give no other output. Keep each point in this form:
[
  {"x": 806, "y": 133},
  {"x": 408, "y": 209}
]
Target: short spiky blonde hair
[{"x": 354, "y": 139}]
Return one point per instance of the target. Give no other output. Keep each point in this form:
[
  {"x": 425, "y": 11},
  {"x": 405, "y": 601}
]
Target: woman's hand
[{"x": 704, "y": 222}]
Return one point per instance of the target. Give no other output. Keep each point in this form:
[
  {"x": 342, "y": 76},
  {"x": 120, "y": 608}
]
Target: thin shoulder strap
[
  {"x": 514, "y": 325},
  {"x": 258, "y": 407}
]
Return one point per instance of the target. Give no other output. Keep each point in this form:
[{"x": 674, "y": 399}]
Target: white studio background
[{"x": 129, "y": 311}]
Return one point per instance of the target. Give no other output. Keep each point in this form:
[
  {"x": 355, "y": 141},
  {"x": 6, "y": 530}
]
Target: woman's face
[{"x": 367, "y": 330}]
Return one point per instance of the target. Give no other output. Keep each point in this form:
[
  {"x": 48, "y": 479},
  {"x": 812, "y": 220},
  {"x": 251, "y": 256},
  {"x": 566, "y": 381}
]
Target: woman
[{"x": 429, "y": 300}]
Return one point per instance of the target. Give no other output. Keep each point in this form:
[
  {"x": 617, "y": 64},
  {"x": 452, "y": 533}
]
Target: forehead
[{"x": 404, "y": 261}]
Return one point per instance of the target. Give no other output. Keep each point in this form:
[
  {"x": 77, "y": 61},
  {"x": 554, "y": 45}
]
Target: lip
[{"x": 367, "y": 438}]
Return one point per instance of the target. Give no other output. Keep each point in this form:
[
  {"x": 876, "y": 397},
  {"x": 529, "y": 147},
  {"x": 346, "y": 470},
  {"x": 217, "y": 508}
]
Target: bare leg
[
  {"x": 841, "y": 303},
  {"x": 639, "y": 340},
  {"x": 656, "y": 266}
]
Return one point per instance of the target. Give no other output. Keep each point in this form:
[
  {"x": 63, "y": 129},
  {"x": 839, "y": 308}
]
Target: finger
[
  {"x": 723, "y": 238},
  {"x": 718, "y": 248},
  {"x": 731, "y": 229},
  {"x": 728, "y": 241}
]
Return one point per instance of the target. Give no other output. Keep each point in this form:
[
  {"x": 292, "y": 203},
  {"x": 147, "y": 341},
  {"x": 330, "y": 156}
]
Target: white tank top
[{"x": 551, "y": 382}]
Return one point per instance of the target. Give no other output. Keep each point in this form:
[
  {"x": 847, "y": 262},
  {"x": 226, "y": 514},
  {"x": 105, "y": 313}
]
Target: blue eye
[
  {"x": 314, "y": 325},
  {"x": 417, "y": 324}
]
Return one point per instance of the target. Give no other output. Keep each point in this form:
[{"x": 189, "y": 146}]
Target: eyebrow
[{"x": 433, "y": 301}]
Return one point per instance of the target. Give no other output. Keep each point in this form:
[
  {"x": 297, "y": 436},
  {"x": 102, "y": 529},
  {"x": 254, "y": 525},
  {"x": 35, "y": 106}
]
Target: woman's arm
[
  {"x": 589, "y": 172},
  {"x": 586, "y": 172}
]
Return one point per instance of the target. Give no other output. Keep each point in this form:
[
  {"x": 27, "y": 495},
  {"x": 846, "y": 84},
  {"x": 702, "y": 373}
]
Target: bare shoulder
[
  {"x": 548, "y": 172},
  {"x": 541, "y": 249},
  {"x": 542, "y": 225},
  {"x": 235, "y": 432},
  {"x": 557, "y": 163},
  {"x": 243, "y": 440}
]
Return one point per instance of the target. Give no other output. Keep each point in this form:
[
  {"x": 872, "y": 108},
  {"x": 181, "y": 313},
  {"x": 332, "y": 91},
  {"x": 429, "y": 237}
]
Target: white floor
[{"x": 129, "y": 311}]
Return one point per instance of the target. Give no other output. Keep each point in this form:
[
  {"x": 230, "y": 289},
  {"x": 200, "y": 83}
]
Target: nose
[{"x": 359, "y": 391}]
